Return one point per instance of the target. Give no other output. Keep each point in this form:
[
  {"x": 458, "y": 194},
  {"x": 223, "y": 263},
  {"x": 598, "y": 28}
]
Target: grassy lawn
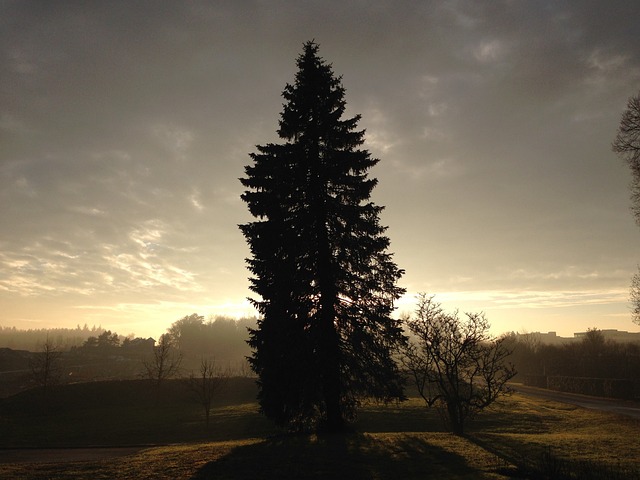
[
  {"x": 518, "y": 438},
  {"x": 353, "y": 456},
  {"x": 126, "y": 413},
  {"x": 561, "y": 436}
]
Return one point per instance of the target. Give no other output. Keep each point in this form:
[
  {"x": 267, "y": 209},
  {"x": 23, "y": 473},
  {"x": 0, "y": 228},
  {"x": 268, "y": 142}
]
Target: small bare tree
[
  {"x": 164, "y": 363},
  {"x": 46, "y": 366},
  {"x": 454, "y": 362},
  {"x": 210, "y": 380},
  {"x": 634, "y": 297}
]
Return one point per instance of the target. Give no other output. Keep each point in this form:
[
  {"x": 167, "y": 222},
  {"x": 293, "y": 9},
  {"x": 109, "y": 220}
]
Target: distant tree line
[
  {"x": 220, "y": 338},
  {"x": 109, "y": 344},
  {"x": 61, "y": 355},
  {"x": 191, "y": 339},
  {"x": 33, "y": 339},
  {"x": 593, "y": 357},
  {"x": 107, "y": 356}
]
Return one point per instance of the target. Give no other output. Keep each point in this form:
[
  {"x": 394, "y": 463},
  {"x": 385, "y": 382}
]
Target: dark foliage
[{"x": 319, "y": 261}]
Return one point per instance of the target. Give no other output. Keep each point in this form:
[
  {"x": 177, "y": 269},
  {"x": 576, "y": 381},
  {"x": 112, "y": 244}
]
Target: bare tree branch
[
  {"x": 210, "y": 380},
  {"x": 164, "y": 363},
  {"x": 46, "y": 369},
  {"x": 454, "y": 362}
]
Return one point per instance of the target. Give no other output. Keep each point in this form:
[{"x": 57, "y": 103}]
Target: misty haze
[{"x": 319, "y": 240}]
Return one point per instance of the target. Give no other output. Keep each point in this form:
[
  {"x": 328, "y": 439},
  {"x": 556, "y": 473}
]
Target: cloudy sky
[{"x": 124, "y": 127}]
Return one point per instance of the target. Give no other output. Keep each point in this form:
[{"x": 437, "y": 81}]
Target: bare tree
[
  {"x": 454, "y": 362},
  {"x": 530, "y": 340},
  {"x": 205, "y": 385},
  {"x": 46, "y": 366},
  {"x": 634, "y": 298},
  {"x": 627, "y": 146},
  {"x": 164, "y": 363}
]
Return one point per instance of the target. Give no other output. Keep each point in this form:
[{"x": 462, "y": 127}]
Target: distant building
[
  {"x": 552, "y": 338},
  {"x": 614, "y": 335}
]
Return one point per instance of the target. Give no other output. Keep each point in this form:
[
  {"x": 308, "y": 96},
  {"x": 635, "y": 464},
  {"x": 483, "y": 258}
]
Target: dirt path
[
  {"x": 63, "y": 455},
  {"x": 621, "y": 407}
]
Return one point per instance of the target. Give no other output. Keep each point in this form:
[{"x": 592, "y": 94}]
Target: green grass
[
  {"x": 127, "y": 412},
  {"x": 525, "y": 431},
  {"x": 518, "y": 438}
]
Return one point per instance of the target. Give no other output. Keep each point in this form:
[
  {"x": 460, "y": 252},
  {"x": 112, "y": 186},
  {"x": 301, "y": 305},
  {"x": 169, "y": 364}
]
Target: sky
[{"x": 124, "y": 127}]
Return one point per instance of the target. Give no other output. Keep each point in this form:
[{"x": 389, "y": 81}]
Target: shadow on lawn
[{"x": 351, "y": 456}]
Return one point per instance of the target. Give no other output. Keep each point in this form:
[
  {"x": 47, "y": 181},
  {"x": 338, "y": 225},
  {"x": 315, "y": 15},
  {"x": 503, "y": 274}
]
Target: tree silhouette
[
  {"x": 164, "y": 362},
  {"x": 210, "y": 379},
  {"x": 627, "y": 146},
  {"x": 320, "y": 265},
  {"x": 454, "y": 362},
  {"x": 46, "y": 366}
]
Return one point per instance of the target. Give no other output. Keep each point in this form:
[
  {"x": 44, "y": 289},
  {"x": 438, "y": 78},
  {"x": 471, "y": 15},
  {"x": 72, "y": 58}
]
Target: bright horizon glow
[{"x": 506, "y": 312}]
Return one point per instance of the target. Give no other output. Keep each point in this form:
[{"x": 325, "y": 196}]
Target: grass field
[{"x": 518, "y": 438}]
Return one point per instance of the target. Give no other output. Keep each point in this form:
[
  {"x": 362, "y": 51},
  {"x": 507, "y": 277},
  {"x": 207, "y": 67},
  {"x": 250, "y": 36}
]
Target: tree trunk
[
  {"x": 330, "y": 361},
  {"x": 329, "y": 345},
  {"x": 331, "y": 383},
  {"x": 455, "y": 417}
]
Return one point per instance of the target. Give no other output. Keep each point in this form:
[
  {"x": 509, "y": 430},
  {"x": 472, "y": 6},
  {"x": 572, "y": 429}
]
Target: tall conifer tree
[{"x": 320, "y": 265}]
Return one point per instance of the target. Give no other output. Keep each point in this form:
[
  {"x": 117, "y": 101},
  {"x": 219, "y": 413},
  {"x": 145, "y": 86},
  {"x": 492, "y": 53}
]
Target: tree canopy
[{"x": 326, "y": 283}]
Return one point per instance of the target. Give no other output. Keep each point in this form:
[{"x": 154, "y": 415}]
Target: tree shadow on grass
[{"x": 349, "y": 456}]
